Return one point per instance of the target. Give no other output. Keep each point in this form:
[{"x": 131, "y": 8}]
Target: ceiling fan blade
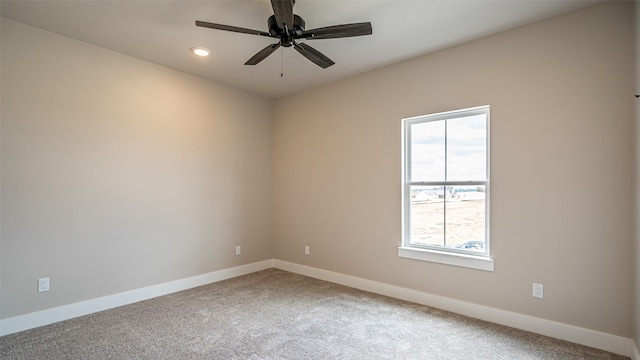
[
  {"x": 314, "y": 55},
  {"x": 338, "y": 31},
  {"x": 231, "y": 28},
  {"x": 283, "y": 11},
  {"x": 262, "y": 54}
]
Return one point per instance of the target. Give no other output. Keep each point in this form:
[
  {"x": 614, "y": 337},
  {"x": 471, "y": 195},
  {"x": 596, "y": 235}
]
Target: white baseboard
[
  {"x": 49, "y": 316},
  {"x": 612, "y": 343},
  {"x": 596, "y": 339}
]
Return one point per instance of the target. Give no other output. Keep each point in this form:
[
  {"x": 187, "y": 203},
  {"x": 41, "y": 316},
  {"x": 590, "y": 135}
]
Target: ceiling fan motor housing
[{"x": 286, "y": 37}]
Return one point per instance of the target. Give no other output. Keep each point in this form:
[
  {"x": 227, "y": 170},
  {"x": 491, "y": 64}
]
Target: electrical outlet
[
  {"x": 43, "y": 285},
  {"x": 307, "y": 250},
  {"x": 238, "y": 250},
  {"x": 537, "y": 291}
]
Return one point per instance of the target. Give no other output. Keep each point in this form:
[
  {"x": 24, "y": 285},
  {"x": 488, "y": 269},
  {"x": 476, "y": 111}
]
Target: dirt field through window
[{"x": 465, "y": 221}]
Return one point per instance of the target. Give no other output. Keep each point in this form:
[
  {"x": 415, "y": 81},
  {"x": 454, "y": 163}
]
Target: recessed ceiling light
[{"x": 201, "y": 51}]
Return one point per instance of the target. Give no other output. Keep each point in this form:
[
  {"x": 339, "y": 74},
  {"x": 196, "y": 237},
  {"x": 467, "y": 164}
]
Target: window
[{"x": 446, "y": 188}]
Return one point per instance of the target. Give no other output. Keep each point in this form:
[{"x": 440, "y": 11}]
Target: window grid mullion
[{"x": 444, "y": 202}]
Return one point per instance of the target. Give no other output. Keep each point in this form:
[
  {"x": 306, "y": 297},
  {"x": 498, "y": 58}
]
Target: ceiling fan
[{"x": 288, "y": 27}]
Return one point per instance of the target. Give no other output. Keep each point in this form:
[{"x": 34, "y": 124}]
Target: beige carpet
[{"x": 274, "y": 314}]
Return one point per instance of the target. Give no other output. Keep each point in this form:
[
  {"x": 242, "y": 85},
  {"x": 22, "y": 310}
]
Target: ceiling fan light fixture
[{"x": 200, "y": 51}]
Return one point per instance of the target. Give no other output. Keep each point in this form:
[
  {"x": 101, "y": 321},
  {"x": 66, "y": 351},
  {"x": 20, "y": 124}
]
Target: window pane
[
  {"x": 467, "y": 148},
  {"x": 427, "y": 151},
  {"x": 465, "y": 218},
  {"x": 427, "y": 215}
]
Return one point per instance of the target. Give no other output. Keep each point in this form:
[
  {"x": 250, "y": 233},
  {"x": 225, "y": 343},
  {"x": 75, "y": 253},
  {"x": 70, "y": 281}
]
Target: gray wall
[
  {"x": 562, "y": 165},
  {"x": 119, "y": 174}
]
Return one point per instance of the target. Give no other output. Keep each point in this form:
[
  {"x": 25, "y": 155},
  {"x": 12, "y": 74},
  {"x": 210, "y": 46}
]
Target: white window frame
[{"x": 456, "y": 257}]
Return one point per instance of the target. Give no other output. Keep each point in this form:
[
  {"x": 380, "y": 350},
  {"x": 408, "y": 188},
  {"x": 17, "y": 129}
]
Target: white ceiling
[{"x": 163, "y": 32}]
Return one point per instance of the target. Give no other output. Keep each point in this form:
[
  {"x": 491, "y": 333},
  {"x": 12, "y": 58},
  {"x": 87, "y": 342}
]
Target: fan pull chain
[{"x": 281, "y": 62}]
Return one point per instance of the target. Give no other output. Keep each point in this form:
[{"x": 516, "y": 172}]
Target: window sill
[{"x": 441, "y": 257}]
